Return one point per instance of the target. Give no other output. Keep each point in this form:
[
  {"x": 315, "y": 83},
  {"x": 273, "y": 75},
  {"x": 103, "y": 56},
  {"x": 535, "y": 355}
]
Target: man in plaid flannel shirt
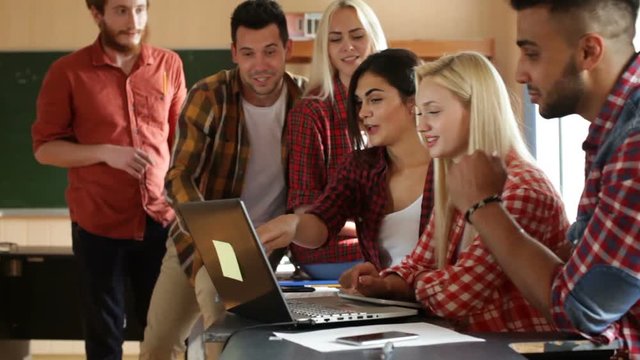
[
  {"x": 576, "y": 57},
  {"x": 229, "y": 145}
]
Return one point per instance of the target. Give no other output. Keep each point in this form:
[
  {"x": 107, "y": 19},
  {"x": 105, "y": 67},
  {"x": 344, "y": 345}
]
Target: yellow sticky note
[{"x": 228, "y": 260}]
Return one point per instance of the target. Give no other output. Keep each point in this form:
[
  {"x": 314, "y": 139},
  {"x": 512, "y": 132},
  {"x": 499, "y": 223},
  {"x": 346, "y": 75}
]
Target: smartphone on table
[{"x": 376, "y": 338}]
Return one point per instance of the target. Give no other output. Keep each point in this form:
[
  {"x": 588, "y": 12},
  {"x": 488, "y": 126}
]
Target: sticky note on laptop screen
[{"x": 228, "y": 260}]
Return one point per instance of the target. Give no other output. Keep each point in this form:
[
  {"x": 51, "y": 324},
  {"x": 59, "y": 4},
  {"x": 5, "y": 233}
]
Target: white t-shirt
[
  {"x": 264, "y": 192},
  {"x": 399, "y": 232}
]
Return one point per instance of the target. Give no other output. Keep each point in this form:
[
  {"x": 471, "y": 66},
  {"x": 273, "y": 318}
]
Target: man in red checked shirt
[
  {"x": 577, "y": 57},
  {"x": 107, "y": 112}
]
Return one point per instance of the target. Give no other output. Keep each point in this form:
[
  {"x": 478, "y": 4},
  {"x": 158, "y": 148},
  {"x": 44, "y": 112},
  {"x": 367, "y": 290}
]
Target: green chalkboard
[{"x": 24, "y": 183}]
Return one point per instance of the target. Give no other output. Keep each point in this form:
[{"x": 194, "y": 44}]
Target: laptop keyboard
[{"x": 315, "y": 310}]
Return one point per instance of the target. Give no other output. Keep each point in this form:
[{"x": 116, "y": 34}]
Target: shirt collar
[
  {"x": 628, "y": 81},
  {"x": 236, "y": 83},
  {"x": 99, "y": 56}
]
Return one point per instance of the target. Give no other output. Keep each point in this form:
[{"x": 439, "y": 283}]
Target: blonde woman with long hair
[
  {"x": 464, "y": 106},
  {"x": 317, "y": 135}
]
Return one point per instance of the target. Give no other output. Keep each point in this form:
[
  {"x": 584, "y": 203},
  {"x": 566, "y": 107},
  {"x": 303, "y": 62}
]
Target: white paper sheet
[{"x": 428, "y": 334}]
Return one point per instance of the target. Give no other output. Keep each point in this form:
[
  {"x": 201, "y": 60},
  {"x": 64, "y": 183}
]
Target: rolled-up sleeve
[{"x": 53, "y": 108}]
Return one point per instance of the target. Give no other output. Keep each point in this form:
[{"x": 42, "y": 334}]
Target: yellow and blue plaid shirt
[{"x": 211, "y": 151}]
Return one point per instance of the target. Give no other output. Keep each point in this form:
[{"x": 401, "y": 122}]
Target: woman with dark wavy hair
[{"x": 385, "y": 186}]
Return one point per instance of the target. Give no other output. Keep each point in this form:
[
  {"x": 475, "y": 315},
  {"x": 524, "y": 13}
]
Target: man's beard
[
  {"x": 565, "y": 94},
  {"x": 109, "y": 39}
]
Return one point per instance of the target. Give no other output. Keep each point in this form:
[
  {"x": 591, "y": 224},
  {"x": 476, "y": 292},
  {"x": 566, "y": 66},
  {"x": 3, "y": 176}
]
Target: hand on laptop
[
  {"x": 364, "y": 279},
  {"x": 350, "y": 279},
  {"x": 278, "y": 233}
]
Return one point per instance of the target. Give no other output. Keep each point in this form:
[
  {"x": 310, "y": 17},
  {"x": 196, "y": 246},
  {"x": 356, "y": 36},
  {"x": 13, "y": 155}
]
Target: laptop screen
[{"x": 234, "y": 258}]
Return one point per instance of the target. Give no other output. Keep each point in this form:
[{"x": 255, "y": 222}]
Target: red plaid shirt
[
  {"x": 359, "y": 191},
  {"x": 612, "y": 195},
  {"x": 472, "y": 289},
  {"x": 317, "y": 138}
]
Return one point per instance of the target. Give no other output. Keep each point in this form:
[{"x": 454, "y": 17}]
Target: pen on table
[
  {"x": 297, "y": 289},
  {"x": 329, "y": 285}
]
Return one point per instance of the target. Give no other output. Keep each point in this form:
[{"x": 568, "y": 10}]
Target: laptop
[
  {"x": 409, "y": 304},
  {"x": 238, "y": 266}
]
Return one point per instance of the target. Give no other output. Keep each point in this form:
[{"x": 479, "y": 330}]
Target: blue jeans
[{"x": 105, "y": 265}]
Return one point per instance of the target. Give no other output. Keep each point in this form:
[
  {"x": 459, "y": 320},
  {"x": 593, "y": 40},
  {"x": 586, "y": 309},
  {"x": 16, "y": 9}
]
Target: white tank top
[{"x": 399, "y": 233}]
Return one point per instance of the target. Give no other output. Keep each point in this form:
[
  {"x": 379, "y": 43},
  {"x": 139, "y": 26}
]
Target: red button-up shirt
[{"x": 86, "y": 99}]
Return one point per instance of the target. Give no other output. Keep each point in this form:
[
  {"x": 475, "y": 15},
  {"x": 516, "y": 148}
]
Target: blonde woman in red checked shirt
[{"x": 464, "y": 106}]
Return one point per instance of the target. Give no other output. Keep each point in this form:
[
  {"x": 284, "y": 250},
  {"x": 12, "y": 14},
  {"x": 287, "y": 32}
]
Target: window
[{"x": 559, "y": 154}]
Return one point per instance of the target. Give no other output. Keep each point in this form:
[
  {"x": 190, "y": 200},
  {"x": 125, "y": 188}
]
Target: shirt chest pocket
[{"x": 152, "y": 110}]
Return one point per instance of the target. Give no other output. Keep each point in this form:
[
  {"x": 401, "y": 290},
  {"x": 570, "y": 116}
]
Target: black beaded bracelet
[{"x": 479, "y": 204}]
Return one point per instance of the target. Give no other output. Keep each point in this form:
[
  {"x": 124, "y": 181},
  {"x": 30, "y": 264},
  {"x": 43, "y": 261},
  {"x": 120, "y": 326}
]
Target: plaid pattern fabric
[
  {"x": 210, "y": 156},
  {"x": 359, "y": 192},
  {"x": 472, "y": 289},
  {"x": 611, "y": 194},
  {"x": 317, "y": 138}
]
